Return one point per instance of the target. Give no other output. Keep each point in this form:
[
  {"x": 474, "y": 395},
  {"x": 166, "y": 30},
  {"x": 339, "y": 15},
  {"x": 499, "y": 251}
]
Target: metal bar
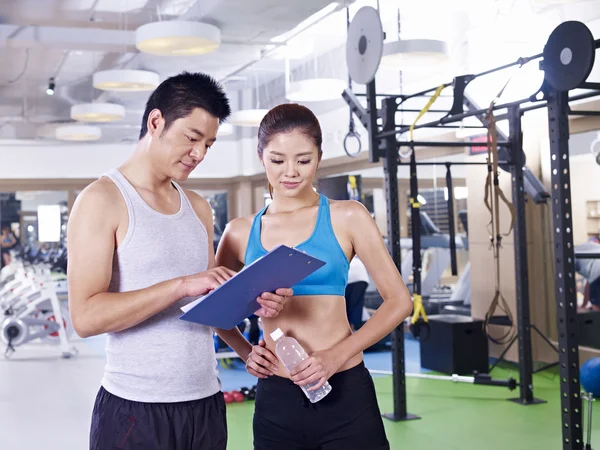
[
  {"x": 402, "y": 96},
  {"x": 520, "y": 61},
  {"x": 443, "y": 111},
  {"x": 445, "y": 144},
  {"x": 453, "y": 127},
  {"x": 443, "y": 163},
  {"x": 564, "y": 265},
  {"x": 589, "y": 85},
  {"x": 451, "y": 231},
  {"x": 521, "y": 268},
  {"x": 584, "y": 113},
  {"x": 587, "y": 255},
  {"x": 459, "y": 117},
  {"x": 544, "y": 337},
  {"x": 356, "y": 107},
  {"x": 545, "y": 104},
  {"x": 426, "y": 91},
  {"x": 456, "y": 118},
  {"x": 372, "y": 127},
  {"x": 390, "y": 170}
]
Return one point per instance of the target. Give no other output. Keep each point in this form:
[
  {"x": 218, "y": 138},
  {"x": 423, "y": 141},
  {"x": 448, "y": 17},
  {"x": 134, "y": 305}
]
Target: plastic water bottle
[{"x": 291, "y": 353}]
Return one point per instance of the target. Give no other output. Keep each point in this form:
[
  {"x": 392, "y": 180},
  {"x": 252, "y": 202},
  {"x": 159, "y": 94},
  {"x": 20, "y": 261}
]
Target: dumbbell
[{"x": 249, "y": 394}]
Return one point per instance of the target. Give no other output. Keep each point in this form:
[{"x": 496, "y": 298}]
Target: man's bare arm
[{"x": 91, "y": 235}]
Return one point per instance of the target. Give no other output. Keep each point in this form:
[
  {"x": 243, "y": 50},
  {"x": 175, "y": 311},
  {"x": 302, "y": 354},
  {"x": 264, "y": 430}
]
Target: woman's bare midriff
[{"x": 317, "y": 322}]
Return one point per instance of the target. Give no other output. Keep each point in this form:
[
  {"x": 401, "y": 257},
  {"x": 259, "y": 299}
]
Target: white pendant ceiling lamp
[
  {"x": 414, "y": 52},
  {"x": 248, "y": 117},
  {"x": 316, "y": 90},
  {"x": 78, "y": 133},
  {"x": 97, "y": 112},
  {"x": 177, "y": 38},
  {"x": 126, "y": 80},
  {"x": 225, "y": 129}
]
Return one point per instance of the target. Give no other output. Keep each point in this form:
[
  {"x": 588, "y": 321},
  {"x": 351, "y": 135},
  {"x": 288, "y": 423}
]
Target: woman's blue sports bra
[{"x": 332, "y": 278}]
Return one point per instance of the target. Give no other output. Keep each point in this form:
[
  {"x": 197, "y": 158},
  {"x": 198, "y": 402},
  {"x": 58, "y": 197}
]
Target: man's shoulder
[
  {"x": 199, "y": 203},
  {"x": 101, "y": 192},
  {"x": 101, "y": 201}
]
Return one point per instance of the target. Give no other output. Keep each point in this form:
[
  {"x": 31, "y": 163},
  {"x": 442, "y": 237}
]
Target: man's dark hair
[{"x": 178, "y": 96}]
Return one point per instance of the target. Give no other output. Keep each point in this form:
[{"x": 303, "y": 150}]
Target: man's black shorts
[
  {"x": 346, "y": 419},
  {"x": 123, "y": 424}
]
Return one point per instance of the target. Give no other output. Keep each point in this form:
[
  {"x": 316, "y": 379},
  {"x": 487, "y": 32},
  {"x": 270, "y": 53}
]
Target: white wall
[
  {"x": 584, "y": 186},
  {"x": 91, "y": 161}
]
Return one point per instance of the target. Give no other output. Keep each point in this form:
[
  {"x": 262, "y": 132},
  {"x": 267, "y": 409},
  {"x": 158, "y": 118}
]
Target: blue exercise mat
[{"x": 234, "y": 300}]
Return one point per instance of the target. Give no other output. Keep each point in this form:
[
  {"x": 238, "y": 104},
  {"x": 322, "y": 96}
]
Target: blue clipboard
[{"x": 234, "y": 300}]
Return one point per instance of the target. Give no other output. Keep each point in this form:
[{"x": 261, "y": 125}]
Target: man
[
  {"x": 139, "y": 247},
  {"x": 589, "y": 268}
]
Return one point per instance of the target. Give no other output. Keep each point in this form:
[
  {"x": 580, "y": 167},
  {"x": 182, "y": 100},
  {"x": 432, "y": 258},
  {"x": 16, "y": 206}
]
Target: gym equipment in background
[
  {"x": 567, "y": 59},
  {"x": 590, "y": 376},
  {"x": 482, "y": 379},
  {"x": 31, "y": 308},
  {"x": 343, "y": 187},
  {"x": 590, "y": 381}
]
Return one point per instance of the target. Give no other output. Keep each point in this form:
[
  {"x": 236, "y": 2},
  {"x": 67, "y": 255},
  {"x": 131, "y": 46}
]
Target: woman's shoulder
[
  {"x": 348, "y": 209},
  {"x": 240, "y": 225}
]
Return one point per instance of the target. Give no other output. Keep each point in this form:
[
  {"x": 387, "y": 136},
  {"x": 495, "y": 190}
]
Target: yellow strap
[
  {"x": 426, "y": 108},
  {"x": 419, "y": 311},
  {"x": 414, "y": 204}
]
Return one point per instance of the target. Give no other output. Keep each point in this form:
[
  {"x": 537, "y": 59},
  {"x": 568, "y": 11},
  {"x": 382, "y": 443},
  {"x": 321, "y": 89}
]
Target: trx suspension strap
[
  {"x": 451, "y": 230},
  {"x": 415, "y": 208},
  {"x": 493, "y": 196},
  {"x": 415, "y": 214}
]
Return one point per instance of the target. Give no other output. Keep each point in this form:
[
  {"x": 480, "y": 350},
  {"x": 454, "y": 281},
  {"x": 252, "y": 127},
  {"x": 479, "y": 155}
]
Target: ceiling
[{"x": 69, "y": 40}]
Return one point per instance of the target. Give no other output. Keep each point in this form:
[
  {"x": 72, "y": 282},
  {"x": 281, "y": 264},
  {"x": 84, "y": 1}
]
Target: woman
[
  {"x": 289, "y": 146},
  {"x": 7, "y": 241}
]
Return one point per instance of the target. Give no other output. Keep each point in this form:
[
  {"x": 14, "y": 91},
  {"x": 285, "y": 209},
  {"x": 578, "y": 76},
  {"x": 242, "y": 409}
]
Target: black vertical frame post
[
  {"x": 564, "y": 267},
  {"x": 521, "y": 264},
  {"x": 389, "y": 153}
]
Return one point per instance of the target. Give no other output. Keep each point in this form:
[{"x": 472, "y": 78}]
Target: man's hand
[
  {"x": 272, "y": 304},
  {"x": 204, "y": 282},
  {"x": 319, "y": 367},
  {"x": 261, "y": 362}
]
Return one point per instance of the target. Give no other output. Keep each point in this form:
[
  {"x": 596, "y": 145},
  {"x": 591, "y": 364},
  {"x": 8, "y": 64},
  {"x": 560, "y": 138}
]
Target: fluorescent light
[
  {"x": 49, "y": 222},
  {"x": 78, "y": 133},
  {"x": 306, "y": 23},
  {"x": 248, "y": 117},
  {"x": 126, "y": 80},
  {"x": 316, "y": 90},
  {"x": 177, "y": 38},
  {"x": 97, "y": 112}
]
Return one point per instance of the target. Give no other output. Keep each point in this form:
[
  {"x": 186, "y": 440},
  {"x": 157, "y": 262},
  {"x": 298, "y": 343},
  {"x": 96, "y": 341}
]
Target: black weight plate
[{"x": 569, "y": 55}]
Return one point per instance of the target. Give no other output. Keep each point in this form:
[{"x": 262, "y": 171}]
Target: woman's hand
[
  {"x": 261, "y": 362},
  {"x": 272, "y": 304},
  {"x": 319, "y": 367}
]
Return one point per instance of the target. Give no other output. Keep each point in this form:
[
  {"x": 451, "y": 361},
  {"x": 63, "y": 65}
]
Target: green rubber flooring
[{"x": 457, "y": 416}]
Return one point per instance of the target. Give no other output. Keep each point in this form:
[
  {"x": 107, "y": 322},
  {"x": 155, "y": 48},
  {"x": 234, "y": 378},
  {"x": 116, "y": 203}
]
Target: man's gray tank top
[{"x": 163, "y": 359}]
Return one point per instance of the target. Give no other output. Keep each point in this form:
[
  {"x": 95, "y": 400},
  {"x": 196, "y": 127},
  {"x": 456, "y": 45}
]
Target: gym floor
[{"x": 45, "y": 403}]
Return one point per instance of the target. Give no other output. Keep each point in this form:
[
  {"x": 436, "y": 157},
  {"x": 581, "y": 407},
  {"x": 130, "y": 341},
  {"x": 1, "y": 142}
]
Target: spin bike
[{"x": 32, "y": 309}]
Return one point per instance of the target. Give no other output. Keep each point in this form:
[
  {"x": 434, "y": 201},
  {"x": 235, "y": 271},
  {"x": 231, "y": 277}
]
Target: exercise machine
[
  {"x": 567, "y": 60},
  {"x": 31, "y": 309}
]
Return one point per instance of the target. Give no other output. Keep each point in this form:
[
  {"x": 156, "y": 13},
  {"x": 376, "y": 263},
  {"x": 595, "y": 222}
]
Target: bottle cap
[{"x": 277, "y": 334}]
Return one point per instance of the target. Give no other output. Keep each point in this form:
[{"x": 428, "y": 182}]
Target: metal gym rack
[{"x": 567, "y": 60}]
